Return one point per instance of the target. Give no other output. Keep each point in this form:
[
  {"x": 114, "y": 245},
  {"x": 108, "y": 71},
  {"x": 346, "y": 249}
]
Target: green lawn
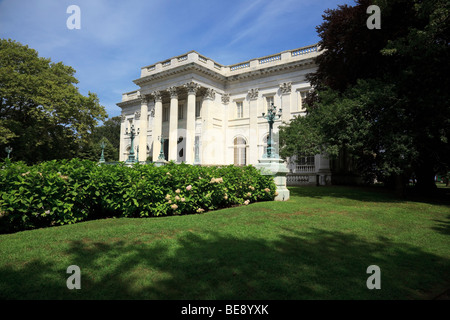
[{"x": 317, "y": 245}]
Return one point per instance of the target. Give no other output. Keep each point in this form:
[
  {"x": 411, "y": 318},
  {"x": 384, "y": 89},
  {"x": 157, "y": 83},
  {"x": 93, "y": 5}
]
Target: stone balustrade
[{"x": 254, "y": 64}]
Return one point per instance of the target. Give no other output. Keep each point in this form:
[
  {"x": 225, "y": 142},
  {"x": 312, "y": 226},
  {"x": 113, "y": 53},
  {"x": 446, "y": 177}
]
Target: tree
[
  {"x": 42, "y": 113},
  {"x": 109, "y": 133},
  {"x": 383, "y": 94}
]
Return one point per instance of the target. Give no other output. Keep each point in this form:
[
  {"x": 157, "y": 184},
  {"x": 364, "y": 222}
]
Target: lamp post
[
  {"x": 161, "y": 152},
  {"x": 271, "y": 164},
  {"x": 271, "y": 116},
  {"x": 102, "y": 157},
  {"x": 132, "y": 134},
  {"x": 161, "y": 161},
  {"x": 8, "y": 150}
]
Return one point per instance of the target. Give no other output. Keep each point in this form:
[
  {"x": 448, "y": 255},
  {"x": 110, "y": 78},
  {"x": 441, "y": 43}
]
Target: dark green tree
[
  {"x": 108, "y": 132},
  {"x": 43, "y": 116},
  {"x": 381, "y": 94}
]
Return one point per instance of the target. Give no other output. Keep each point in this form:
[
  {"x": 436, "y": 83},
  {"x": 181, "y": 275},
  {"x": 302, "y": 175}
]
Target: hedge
[{"x": 62, "y": 192}]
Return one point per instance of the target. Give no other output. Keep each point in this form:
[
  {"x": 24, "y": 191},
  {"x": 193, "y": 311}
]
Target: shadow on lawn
[
  {"x": 314, "y": 265},
  {"x": 370, "y": 194},
  {"x": 444, "y": 226}
]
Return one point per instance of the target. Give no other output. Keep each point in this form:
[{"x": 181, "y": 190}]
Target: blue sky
[{"x": 117, "y": 38}]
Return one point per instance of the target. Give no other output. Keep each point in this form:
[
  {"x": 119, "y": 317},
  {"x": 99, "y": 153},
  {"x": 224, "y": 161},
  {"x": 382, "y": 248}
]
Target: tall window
[
  {"x": 180, "y": 112},
  {"x": 269, "y": 102},
  {"x": 198, "y": 109},
  {"x": 302, "y": 104},
  {"x": 240, "y": 152},
  {"x": 239, "y": 109},
  {"x": 165, "y": 114}
]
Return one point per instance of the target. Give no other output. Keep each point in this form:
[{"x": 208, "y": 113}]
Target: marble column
[
  {"x": 143, "y": 125},
  {"x": 209, "y": 149},
  {"x": 252, "y": 156},
  {"x": 192, "y": 89},
  {"x": 157, "y": 125},
  {"x": 173, "y": 124}
]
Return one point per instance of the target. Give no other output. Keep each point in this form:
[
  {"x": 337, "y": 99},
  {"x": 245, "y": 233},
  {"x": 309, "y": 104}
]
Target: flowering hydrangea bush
[{"x": 65, "y": 192}]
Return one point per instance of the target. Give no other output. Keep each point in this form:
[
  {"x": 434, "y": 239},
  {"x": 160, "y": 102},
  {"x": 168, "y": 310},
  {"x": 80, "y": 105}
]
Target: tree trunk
[
  {"x": 399, "y": 185},
  {"x": 425, "y": 180}
]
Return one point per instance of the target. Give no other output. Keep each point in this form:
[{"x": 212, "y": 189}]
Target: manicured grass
[{"x": 318, "y": 245}]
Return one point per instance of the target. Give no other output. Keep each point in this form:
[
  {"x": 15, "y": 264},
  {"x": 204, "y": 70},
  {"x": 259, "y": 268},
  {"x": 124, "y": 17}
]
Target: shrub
[{"x": 68, "y": 191}]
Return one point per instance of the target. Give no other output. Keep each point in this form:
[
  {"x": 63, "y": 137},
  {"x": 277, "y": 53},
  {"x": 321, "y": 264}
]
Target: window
[
  {"x": 302, "y": 104},
  {"x": 240, "y": 152},
  {"x": 305, "y": 164},
  {"x": 306, "y": 161},
  {"x": 269, "y": 103},
  {"x": 180, "y": 112},
  {"x": 198, "y": 109},
  {"x": 165, "y": 114},
  {"x": 239, "y": 109}
]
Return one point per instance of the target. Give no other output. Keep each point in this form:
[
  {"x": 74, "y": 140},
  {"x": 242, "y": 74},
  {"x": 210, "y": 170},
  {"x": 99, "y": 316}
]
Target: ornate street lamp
[
  {"x": 161, "y": 152},
  {"x": 271, "y": 116},
  {"x": 102, "y": 157},
  {"x": 132, "y": 134},
  {"x": 197, "y": 151},
  {"x": 8, "y": 150}
]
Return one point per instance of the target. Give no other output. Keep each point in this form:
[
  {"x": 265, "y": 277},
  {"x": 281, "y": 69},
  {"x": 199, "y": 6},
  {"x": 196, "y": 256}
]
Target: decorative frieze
[
  {"x": 253, "y": 94},
  {"x": 286, "y": 87}
]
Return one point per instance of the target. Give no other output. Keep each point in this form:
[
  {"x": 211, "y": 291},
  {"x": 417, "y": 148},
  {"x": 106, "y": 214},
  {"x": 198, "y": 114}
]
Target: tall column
[
  {"x": 173, "y": 124},
  {"x": 253, "y": 156},
  {"x": 209, "y": 149},
  {"x": 157, "y": 125},
  {"x": 192, "y": 88},
  {"x": 143, "y": 129}
]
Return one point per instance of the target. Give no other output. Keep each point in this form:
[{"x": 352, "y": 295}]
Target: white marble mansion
[{"x": 212, "y": 114}]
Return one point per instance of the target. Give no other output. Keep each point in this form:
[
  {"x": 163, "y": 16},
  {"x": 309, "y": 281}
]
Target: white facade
[{"x": 209, "y": 113}]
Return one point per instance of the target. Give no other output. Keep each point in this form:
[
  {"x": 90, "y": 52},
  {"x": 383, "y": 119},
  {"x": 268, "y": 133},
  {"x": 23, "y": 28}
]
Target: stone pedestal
[
  {"x": 276, "y": 168},
  {"x": 160, "y": 163}
]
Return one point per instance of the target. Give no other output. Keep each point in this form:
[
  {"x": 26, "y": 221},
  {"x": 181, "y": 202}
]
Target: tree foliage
[
  {"x": 42, "y": 113},
  {"x": 109, "y": 133},
  {"x": 381, "y": 94}
]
